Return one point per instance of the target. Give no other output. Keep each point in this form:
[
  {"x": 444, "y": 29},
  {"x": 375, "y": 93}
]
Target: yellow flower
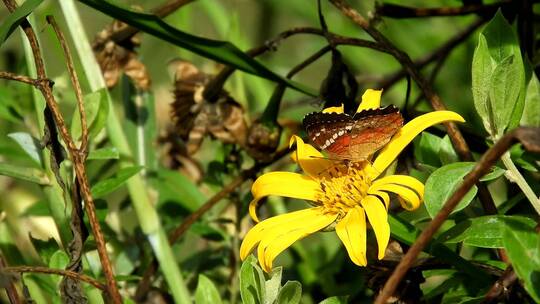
[{"x": 341, "y": 194}]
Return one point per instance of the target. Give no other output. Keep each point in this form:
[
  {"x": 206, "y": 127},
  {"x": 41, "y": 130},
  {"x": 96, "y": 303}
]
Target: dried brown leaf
[
  {"x": 114, "y": 58},
  {"x": 195, "y": 118}
]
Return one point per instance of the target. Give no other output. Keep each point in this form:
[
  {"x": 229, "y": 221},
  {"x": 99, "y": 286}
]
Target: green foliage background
[{"x": 140, "y": 199}]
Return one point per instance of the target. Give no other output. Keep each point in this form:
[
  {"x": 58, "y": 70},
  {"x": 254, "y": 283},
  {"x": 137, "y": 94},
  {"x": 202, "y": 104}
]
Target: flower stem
[{"x": 514, "y": 175}]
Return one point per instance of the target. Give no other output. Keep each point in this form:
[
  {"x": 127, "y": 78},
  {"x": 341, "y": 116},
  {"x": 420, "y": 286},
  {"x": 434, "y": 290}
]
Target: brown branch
[
  {"x": 459, "y": 143},
  {"x": 175, "y": 235},
  {"x": 508, "y": 278},
  {"x": 62, "y": 272},
  {"x": 75, "y": 82},
  {"x": 400, "y": 11},
  {"x": 529, "y": 138},
  {"x": 9, "y": 284},
  {"x": 19, "y": 78},
  {"x": 308, "y": 61},
  {"x": 437, "y": 54},
  {"x": 215, "y": 86},
  {"x": 77, "y": 156}
]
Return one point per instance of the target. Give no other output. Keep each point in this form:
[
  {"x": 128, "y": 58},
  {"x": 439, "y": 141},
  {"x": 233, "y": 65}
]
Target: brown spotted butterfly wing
[{"x": 353, "y": 138}]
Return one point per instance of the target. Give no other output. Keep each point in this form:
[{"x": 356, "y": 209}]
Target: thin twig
[
  {"x": 308, "y": 61},
  {"x": 529, "y": 137},
  {"x": 211, "y": 91},
  {"x": 62, "y": 272},
  {"x": 9, "y": 284},
  {"x": 400, "y": 11},
  {"x": 500, "y": 286},
  {"x": 459, "y": 143},
  {"x": 436, "y": 54},
  {"x": 175, "y": 235},
  {"x": 77, "y": 156},
  {"x": 19, "y": 78},
  {"x": 75, "y": 82}
]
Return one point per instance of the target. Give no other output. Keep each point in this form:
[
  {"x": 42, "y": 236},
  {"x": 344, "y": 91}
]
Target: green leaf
[
  {"x": 13, "y": 20},
  {"x": 208, "y": 232},
  {"x": 335, "y": 300},
  {"x": 104, "y": 153},
  {"x": 108, "y": 185},
  {"x": 484, "y": 231},
  {"x": 206, "y": 292},
  {"x": 221, "y": 51},
  {"x": 28, "y": 174},
  {"x": 498, "y": 81},
  {"x": 531, "y": 112},
  {"x": 290, "y": 293},
  {"x": 427, "y": 150},
  {"x": 175, "y": 187},
  {"x": 504, "y": 91},
  {"x": 59, "y": 260},
  {"x": 45, "y": 249},
  {"x": 96, "y": 108},
  {"x": 523, "y": 247},
  {"x": 273, "y": 285},
  {"x": 482, "y": 69},
  {"x": 30, "y": 145},
  {"x": 442, "y": 183},
  {"x": 252, "y": 287},
  {"x": 501, "y": 38},
  {"x": 447, "y": 154}
]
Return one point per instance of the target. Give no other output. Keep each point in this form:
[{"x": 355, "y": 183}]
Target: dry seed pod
[
  {"x": 195, "y": 117},
  {"x": 263, "y": 140},
  {"x": 114, "y": 58}
]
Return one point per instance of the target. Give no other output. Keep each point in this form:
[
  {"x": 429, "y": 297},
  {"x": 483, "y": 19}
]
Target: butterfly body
[{"x": 353, "y": 138}]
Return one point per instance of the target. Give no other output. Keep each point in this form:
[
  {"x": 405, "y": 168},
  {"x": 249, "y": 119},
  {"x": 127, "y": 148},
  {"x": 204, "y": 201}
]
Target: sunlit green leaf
[
  {"x": 108, "y": 185},
  {"x": 482, "y": 69},
  {"x": 504, "y": 91},
  {"x": 523, "y": 247},
  {"x": 96, "y": 108},
  {"x": 531, "y": 112},
  {"x": 484, "y": 231},
  {"x": 104, "y": 153},
  {"x": 206, "y": 292},
  {"x": 273, "y": 285},
  {"x": 442, "y": 183},
  {"x": 252, "y": 287},
  {"x": 335, "y": 300},
  {"x": 290, "y": 293},
  {"x": 30, "y": 145},
  {"x": 13, "y": 20},
  {"x": 28, "y": 174}
]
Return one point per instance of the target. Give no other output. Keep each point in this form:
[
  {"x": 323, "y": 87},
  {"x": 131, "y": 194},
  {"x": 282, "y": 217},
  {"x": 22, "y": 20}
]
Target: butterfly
[{"x": 353, "y": 138}]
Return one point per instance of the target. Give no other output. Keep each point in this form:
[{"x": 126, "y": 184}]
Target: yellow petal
[
  {"x": 351, "y": 230},
  {"x": 382, "y": 195},
  {"x": 403, "y": 180},
  {"x": 411, "y": 198},
  {"x": 370, "y": 100},
  {"x": 286, "y": 184},
  {"x": 254, "y": 235},
  {"x": 280, "y": 238},
  {"x": 312, "y": 162},
  {"x": 378, "y": 218},
  {"x": 407, "y": 134},
  {"x": 339, "y": 109}
]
